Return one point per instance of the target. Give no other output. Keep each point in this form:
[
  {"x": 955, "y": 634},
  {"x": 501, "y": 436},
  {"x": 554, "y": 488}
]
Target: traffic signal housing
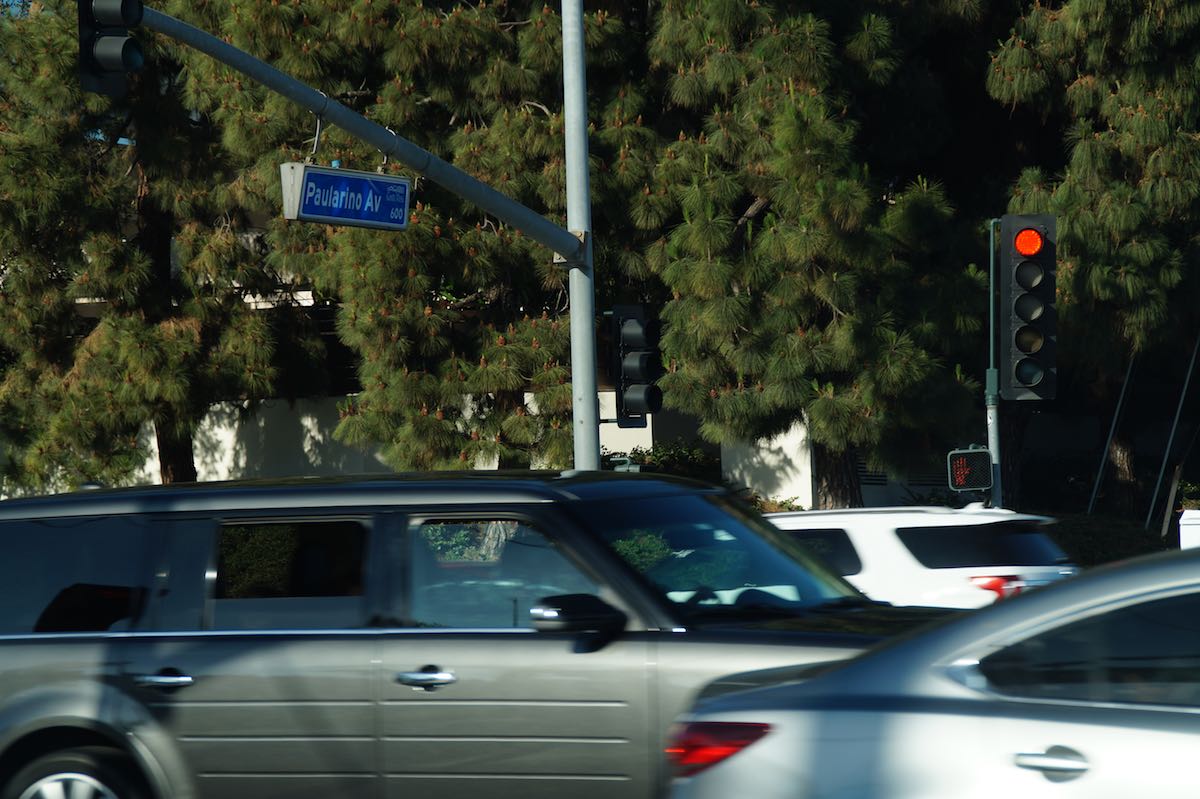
[
  {"x": 1028, "y": 319},
  {"x": 106, "y": 50},
  {"x": 969, "y": 469},
  {"x": 636, "y": 364}
]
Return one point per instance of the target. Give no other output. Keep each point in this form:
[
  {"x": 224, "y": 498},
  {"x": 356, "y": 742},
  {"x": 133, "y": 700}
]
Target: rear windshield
[{"x": 998, "y": 544}]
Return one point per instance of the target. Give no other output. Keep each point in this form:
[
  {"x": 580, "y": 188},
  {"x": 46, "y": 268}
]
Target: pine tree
[
  {"x": 733, "y": 145},
  {"x": 460, "y": 322},
  {"x": 802, "y": 289},
  {"x": 130, "y": 267},
  {"x": 1116, "y": 80}
]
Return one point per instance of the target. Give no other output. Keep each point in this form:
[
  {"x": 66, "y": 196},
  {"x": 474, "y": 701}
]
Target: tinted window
[
  {"x": 1001, "y": 544},
  {"x": 290, "y": 575},
  {"x": 1142, "y": 654},
  {"x": 74, "y": 575},
  {"x": 711, "y": 559},
  {"x": 485, "y": 573},
  {"x": 831, "y": 546}
]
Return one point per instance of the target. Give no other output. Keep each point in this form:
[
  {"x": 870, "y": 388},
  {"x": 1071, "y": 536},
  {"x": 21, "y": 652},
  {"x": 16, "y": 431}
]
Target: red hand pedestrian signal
[{"x": 969, "y": 469}]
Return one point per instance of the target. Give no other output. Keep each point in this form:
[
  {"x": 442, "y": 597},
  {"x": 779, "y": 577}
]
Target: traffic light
[
  {"x": 969, "y": 469},
  {"x": 636, "y": 363},
  {"x": 106, "y": 50},
  {"x": 1027, "y": 318}
]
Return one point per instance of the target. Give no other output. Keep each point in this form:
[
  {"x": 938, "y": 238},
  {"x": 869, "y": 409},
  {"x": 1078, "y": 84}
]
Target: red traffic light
[{"x": 1028, "y": 242}]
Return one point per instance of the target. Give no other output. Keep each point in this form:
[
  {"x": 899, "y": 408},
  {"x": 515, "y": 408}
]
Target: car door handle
[
  {"x": 1058, "y": 763},
  {"x": 430, "y": 678},
  {"x": 163, "y": 680}
]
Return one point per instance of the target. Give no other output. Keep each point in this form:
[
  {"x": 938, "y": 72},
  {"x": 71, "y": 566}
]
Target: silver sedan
[{"x": 1087, "y": 689}]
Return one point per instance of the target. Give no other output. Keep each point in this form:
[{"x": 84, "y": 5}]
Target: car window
[
  {"x": 706, "y": 555},
  {"x": 997, "y": 544},
  {"x": 290, "y": 575},
  {"x": 73, "y": 575},
  {"x": 1148, "y": 653},
  {"x": 831, "y": 546},
  {"x": 485, "y": 573}
]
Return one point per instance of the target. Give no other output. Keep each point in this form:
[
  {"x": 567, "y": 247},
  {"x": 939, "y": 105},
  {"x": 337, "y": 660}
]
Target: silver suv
[{"x": 476, "y": 635}]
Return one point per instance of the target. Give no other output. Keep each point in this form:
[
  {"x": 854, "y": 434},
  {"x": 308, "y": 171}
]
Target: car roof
[
  {"x": 430, "y": 488},
  {"x": 910, "y": 515}
]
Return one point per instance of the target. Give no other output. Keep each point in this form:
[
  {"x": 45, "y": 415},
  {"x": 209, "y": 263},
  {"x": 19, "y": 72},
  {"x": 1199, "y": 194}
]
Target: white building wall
[
  {"x": 778, "y": 468},
  {"x": 283, "y": 439},
  {"x": 280, "y": 439},
  {"x": 621, "y": 439}
]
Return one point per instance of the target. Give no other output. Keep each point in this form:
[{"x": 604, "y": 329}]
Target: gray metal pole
[
  {"x": 991, "y": 390},
  {"x": 422, "y": 161},
  {"x": 579, "y": 221}
]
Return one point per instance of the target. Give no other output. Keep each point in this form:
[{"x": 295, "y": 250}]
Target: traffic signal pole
[
  {"x": 586, "y": 407},
  {"x": 992, "y": 380},
  {"x": 573, "y": 249}
]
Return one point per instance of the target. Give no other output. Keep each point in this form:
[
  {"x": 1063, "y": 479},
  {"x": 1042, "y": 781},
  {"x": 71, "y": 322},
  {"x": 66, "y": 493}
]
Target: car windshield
[{"x": 714, "y": 561}]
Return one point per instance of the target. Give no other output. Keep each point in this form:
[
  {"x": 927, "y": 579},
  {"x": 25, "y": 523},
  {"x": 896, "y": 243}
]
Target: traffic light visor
[
  {"x": 118, "y": 13},
  {"x": 1028, "y": 242},
  {"x": 118, "y": 53}
]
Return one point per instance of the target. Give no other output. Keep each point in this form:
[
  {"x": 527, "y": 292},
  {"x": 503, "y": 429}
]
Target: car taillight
[
  {"x": 700, "y": 744},
  {"x": 1002, "y": 587}
]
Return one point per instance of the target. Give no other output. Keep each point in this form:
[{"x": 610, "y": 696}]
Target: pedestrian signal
[{"x": 969, "y": 469}]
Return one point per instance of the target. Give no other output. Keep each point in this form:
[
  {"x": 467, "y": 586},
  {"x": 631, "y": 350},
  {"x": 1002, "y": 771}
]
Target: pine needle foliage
[
  {"x": 730, "y": 193},
  {"x": 1128, "y": 197}
]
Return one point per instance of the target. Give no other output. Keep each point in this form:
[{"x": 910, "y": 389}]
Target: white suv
[{"x": 945, "y": 557}]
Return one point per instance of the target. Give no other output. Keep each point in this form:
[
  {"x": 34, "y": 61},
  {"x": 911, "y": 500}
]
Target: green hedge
[{"x": 1091, "y": 540}]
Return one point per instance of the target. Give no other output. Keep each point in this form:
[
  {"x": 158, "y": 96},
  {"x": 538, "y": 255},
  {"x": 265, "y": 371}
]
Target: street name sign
[{"x": 344, "y": 197}]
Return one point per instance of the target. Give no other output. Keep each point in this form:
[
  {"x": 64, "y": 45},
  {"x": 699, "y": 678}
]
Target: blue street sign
[{"x": 345, "y": 197}]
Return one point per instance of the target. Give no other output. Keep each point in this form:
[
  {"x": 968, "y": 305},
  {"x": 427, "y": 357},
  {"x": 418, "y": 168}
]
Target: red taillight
[
  {"x": 700, "y": 744},
  {"x": 1002, "y": 587}
]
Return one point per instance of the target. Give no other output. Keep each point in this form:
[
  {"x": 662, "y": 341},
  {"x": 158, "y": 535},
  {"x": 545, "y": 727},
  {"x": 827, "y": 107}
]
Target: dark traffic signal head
[
  {"x": 636, "y": 363},
  {"x": 969, "y": 469},
  {"x": 1027, "y": 318},
  {"x": 106, "y": 50}
]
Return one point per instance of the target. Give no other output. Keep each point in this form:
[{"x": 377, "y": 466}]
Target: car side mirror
[{"x": 576, "y": 613}]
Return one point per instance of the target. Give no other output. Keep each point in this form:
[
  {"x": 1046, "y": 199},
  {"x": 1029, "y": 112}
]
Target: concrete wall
[
  {"x": 290, "y": 439},
  {"x": 285, "y": 439},
  {"x": 777, "y": 468},
  {"x": 281, "y": 439}
]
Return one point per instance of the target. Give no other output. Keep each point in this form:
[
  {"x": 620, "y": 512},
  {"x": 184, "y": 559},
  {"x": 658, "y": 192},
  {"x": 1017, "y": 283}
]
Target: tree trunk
[
  {"x": 176, "y": 462},
  {"x": 1123, "y": 492},
  {"x": 837, "y": 483}
]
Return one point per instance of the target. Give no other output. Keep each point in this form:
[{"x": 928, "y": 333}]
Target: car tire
[{"x": 107, "y": 773}]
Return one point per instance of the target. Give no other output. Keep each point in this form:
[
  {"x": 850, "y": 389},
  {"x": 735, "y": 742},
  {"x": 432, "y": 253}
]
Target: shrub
[{"x": 1092, "y": 540}]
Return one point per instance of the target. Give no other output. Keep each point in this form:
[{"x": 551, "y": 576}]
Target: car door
[
  {"x": 258, "y": 663},
  {"x": 507, "y": 712},
  {"x": 1106, "y": 706}
]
